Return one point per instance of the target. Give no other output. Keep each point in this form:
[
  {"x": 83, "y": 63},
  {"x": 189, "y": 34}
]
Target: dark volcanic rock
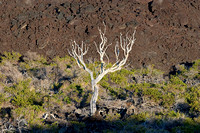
[{"x": 167, "y": 30}]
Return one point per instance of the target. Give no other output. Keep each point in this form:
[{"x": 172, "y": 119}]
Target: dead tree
[{"x": 78, "y": 51}]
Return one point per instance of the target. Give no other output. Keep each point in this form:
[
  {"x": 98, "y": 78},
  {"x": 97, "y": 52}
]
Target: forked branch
[
  {"x": 126, "y": 45},
  {"x": 78, "y": 51}
]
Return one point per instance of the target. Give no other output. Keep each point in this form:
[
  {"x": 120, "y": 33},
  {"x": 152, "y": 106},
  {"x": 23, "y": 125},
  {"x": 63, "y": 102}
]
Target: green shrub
[
  {"x": 34, "y": 63},
  {"x": 141, "y": 117},
  {"x": 23, "y": 96},
  {"x": 118, "y": 78},
  {"x": 113, "y": 117},
  {"x": 10, "y": 56},
  {"x": 150, "y": 71},
  {"x": 153, "y": 93},
  {"x": 104, "y": 82},
  {"x": 173, "y": 114},
  {"x": 75, "y": 93},
  {"x": 121, "y": 77},
  {"x": 177, "y": 81},
  {"x": 27, "y": 102},
  {"x": 2, "y": 98},
  {"x": 196, "y": 65},
  {"x": 192, "y": 97},
  {"x": 67, "y": 100},
  {"x": 168, "y": 99}
]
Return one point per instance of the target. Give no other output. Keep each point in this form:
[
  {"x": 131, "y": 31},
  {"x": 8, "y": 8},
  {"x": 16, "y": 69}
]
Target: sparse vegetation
[{"x": 56, "y": 88}]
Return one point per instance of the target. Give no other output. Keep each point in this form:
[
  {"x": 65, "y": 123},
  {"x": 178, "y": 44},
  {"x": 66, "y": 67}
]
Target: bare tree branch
[
  {"x": 102, "y": 47},
  {"x": 78, "y": 52}
]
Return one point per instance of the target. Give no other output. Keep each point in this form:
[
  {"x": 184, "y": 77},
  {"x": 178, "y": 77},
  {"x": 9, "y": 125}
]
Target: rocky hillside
[
  {"x": 43, "y": 90},
  {"x": 37, "y": 95},
  {"x": 167, "y": 30}
]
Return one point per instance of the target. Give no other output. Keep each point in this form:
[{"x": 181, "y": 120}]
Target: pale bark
[
  {"x": 78, "y": 51},
  {"x": 93, "y": 100}
]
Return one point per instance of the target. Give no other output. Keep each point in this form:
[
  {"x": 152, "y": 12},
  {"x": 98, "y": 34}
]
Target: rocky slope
[{"x": 167, "y": 30}]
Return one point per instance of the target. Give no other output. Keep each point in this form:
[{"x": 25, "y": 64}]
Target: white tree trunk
[
  {"x": 93, "y": 101},
  {"x": 78, "y": 51}
]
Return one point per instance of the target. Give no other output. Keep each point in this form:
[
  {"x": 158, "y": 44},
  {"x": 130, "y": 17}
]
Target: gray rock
[
  {"x": 60, "y": 16},
  {"x": 130, "y": 110},
  {"x": 66, "y": 5},
  {"x": 40, "y": 73},
  {"x": 89, "y": 9},
  {"x": 69, "y": 18},
  {"x": 78, "y": 111},
  {"x": 132, "y": 23}
]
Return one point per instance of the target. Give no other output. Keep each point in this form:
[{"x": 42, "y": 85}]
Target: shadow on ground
[{"x": 135, "y": 125}]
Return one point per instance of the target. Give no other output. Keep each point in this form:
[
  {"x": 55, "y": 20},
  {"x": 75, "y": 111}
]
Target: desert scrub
[
  {"x": 22, "y": 95},
  {"x": 165, "y": 99},
  {"x": 70, "y": 93},
  {"x": 80, "y": 77},
  {"x": 113, "y": 91},
  {"x": 32, "y": 113},
  {"x": 52, "y": 101},
  {"x": 63, "y": 62},
  {"x": 149, "y": 71},
  {"x": 196, "y": 65},
  {"x": 31, "y": 61},
  {"x": 155, "y": 92},
  {"x": 76, "y": 93},
  {"x": 104, "y": 82},
  {"x": 12, "y": 57},
  {"x": 140, "y": 86},
  {"x": 57, "y": 99},
  {"x": 177, "y": 83},
  {"x": 174, "y": 115},
  {"x": 2, "y": 78},
  {"x": 192, "y": 97},
  {"x": 41, "y": 127},
  {"x": 67, "y": 60},
  {"x": 194, "y": 71},
  {"x": 67, "y": 100},
  {"x": 76, "y": 88},
  {"x": 113, "y": 117},
  {"x": 117, "y": 93},
  {"x": 121, "y": 77},
  {"x": 140, "y": 117},
  {"x": 27, "y": 102},
  {"x": 2, "y": 99},
  {"x": 189, "y": 72},
  {"x": 168, "y": 99}
]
